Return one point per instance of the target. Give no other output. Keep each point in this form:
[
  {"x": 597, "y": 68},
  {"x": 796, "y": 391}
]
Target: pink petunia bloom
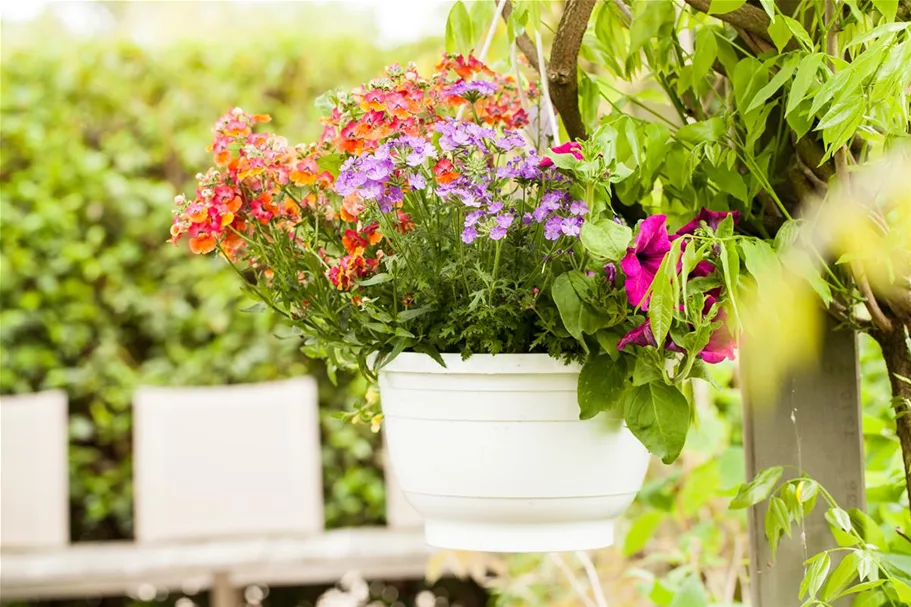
[
  {"x": 570, "y": 147},
  {"x": 639, "y": 336},
  {"x": 721, "y": 344},
  {"x": 712, "y": 218},
  {"x": 644, "y": 258}
]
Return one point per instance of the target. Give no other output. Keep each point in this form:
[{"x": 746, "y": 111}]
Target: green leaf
[
  {"x": 777, "y": 522},
  {"x": 780, "y": 34},
  {"x": 712, "y": 129},
  {"x": 705, "y": 54},
  {"x": 602, "y": 384},
  {"x": 867, "y": 528},
  {"x": 331, "y": 163},
  {"x": 376, "y": 279},
  {"x": 815, "y": 574},
  {"x": 406, "y": 315},
  {"x": 641, "y": 531},
  {"x": 878, "y": 31},
  {"x": 691, "y": 593},
  {"x": 774, "y": 84},
  {"x": 769, "y": 7},
  {"x": 606, "y": 239},
  {"x": 645, "y": 372},
  {"x": 799, "y": 32},
  {"x": 569, "y": 305},
  {"x": 840, "y": 577},
  {"x": 888, "y": 8},
  {"x": 661, "y": 305},
  {"x": 459, "y": 35},
  {"x": 720, "y": 7},
  {"x": 805, "y": 78},
  {"x": 647, "y": 23},
  {"x": 841, "y": 112},
  {"x": 839, "y": 518},
  {"x": 758, "y": 489},
  {"x": 659, "y": 416}
]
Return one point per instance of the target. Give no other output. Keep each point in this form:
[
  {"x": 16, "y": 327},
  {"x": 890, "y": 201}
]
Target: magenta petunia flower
[
  {"x": 640, "y": 336},
  {"x": 712, "y": 218},
  {"x": 721, "y": 344},
  {"x": 570, "y": 147},
  {"x": 643, "y": 259}
]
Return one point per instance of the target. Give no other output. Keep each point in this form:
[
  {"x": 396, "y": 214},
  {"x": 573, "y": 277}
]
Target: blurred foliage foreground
[{"x": 97, "y": 138}]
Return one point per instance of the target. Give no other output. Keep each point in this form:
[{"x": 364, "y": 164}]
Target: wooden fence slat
[{"x": 825, "y": 438}]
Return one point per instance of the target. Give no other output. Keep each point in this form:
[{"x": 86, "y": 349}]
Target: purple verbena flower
[
  {"x": 571, "y": 226},
  {"x": 469, "y": 234},
  {"x": 473, "y": 217},
  {"x": 553, "y": 229},
  {"x": 577, "y": 207},
  {"x": 416, "y": 181}
]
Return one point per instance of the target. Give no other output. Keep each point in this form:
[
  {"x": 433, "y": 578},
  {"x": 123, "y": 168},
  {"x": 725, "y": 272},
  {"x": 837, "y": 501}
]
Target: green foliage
[{"x": 93, "y": 300}]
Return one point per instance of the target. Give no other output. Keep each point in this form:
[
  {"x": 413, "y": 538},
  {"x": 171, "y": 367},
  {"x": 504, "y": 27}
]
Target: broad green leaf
[
  {"x": 843, "y": 574},
  {"x": 780, "y": 34},
  {"x": 712, "y": 129},
  {"x": 720, "y": 7},
  {"x": 867, "y": 528},
  {"x": 777, "y": 81},
  {"x": 787, "y": 234},
  {"x": 758, "y": 489},
  {"x": 655, "y": 16},
  {"x": 888, "y": 8},
  {"x": 800, "y": 121},
  {"x": 644, "y": 371},
  {"x": 605, "y": 239},
  {"x": 658, "y": 415},
  {"x": 705, "y": 54},
  {"x": 840, "y": 518},
  {"x": 459, "y": 34},
  {"x": 769, "y": 7},
  {"x": 602, "y": 384},
  {"x": 806, "y": 76},
  {"x": 569, "y": 305},
  {"x": 815, "y": 574},
  {"x": 330, "y": 163},
  {"x": 641, "y": 531}
]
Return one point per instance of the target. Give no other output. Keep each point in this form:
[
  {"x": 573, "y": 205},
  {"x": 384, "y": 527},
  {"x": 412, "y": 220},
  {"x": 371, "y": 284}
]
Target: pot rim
[{"x": 482, "y": 364}]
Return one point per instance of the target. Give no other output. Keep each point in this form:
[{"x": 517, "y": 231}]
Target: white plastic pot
[{"x": 492, "y": 454}]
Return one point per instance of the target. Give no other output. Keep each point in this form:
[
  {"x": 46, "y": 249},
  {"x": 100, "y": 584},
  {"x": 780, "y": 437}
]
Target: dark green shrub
[{"x": 98, "y": 137}]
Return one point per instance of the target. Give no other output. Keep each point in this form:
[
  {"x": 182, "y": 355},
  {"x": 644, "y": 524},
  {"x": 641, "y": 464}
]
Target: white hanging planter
[{"x": 492, "y": 454}]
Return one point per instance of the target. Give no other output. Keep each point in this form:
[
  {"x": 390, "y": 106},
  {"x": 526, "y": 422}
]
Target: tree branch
[
  {"x": 562, "y": 73},
  {"x": 748, "y": 17},
  {"x": 522, "y": 40}
]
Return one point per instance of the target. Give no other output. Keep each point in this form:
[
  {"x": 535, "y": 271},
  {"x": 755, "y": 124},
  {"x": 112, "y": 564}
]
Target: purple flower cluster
[
  {"x": 455, "y": 134},
  {"x": 560, "y": 215},
  {"x": 371, "y": 175},
  {"x": 473, "y": 89}
]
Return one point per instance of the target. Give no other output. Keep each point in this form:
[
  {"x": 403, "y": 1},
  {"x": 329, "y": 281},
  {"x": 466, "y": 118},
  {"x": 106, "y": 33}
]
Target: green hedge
[{"x": 98, "y": 137}]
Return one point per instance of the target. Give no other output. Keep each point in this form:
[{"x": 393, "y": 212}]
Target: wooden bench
[{"x": 227, "y": 492}]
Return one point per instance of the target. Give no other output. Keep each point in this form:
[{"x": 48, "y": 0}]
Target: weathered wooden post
[{"x": 814, "y": 425}]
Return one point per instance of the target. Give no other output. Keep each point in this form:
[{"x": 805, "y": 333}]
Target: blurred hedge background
[{"x": 98, "y": 135}]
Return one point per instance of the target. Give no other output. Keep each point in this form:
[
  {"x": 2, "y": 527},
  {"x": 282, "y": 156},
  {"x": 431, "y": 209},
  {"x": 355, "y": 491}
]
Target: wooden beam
[{"x": 815, "y": 426}]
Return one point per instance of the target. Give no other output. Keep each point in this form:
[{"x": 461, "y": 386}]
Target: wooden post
[
  {"x": 223, "y": 593},
  {"x": 825, "y": 438}
]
